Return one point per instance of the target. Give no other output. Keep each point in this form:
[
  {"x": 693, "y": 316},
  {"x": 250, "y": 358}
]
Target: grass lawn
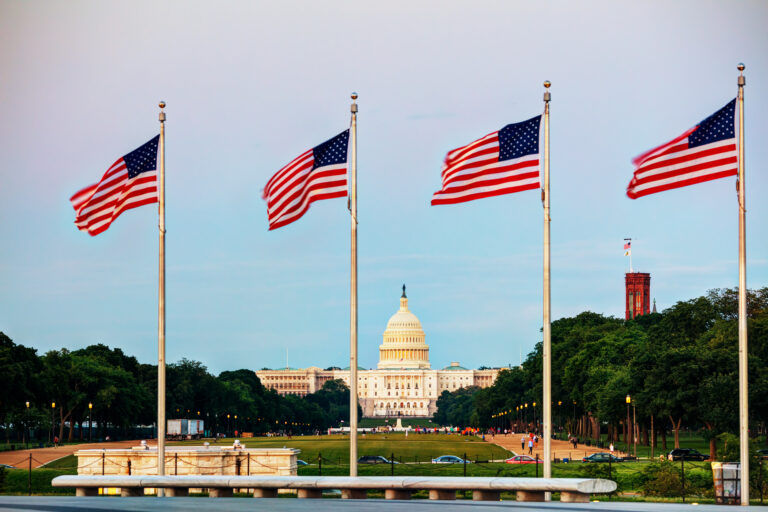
[
  {"x": 414, "y": 452},
  {"x": 414, "y": 448}
]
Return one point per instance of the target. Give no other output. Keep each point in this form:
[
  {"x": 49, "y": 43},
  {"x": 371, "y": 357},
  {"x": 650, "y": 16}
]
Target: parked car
[
  {"x": 523, "y": 459},
  {"x": 449, "y": 459},
  {"x": 7, "y": 466},
  {"x": 300, "y": 462},
  {"x": 686, "y": 454},
  {"x": 602, "y": 457},
  {"x": 763, "y": 454},
  {"x": 374, "y": 459}
]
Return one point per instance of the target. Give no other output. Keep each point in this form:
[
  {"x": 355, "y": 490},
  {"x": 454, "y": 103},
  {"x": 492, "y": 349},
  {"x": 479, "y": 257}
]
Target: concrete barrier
[{"x": 396, "y": 488}]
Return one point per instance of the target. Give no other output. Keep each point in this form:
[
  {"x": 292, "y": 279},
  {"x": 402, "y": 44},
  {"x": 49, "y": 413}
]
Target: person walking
[
  {"x": 522, "y": 444},
  {"x": 530, "y": 447}
]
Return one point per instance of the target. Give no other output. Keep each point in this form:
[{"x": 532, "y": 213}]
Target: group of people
[{"x": 532, "y": 440}]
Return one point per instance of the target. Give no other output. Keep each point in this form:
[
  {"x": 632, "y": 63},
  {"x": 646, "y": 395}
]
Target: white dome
[
  {"x": 403, "y": 345},
  {"x": 403, "y": 320}
]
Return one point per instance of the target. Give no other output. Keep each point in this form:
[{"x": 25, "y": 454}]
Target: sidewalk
[
  {"x": 41, "y": 456},
  {"x": 560, "y": 449}
]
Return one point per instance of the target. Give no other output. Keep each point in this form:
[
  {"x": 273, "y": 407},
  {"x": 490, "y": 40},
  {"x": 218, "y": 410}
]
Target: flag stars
[
  {"x": 142, "y": 159},
  {"x": 719, "y": 126},
  {"x": 331, "y": 152},
  {"x": 519, "y": 139}
]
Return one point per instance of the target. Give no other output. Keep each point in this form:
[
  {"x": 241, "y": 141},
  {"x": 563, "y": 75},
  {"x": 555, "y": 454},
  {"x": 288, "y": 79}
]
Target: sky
[{"x": 250, "y": 85}]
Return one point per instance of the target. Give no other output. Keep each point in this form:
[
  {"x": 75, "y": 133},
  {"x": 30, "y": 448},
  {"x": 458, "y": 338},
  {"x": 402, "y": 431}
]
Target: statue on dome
[{"x": 404, "y": 291}]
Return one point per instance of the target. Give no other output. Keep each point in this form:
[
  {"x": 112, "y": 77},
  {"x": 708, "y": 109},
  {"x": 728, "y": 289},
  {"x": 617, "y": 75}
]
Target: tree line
[
  {"x": 56, "y": 393},
  {"x": 678, "y": 369}
]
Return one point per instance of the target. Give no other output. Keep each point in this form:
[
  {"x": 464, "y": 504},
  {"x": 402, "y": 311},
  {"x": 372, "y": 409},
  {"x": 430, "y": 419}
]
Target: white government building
[{"x": 404, "y": 384}]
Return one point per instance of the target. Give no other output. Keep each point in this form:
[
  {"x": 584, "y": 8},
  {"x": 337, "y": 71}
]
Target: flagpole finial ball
[
  {"x": 547, "y": 83},
  {"x": 740, "y": 66},
  {"x": 161, "y": 104},
  {"x": 354, "y": 96}
]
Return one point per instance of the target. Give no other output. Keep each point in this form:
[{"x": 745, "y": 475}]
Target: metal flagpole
[
  {"x": 161, "y": 312},
  {"x": 547, "y": 345},
  {"x": 353, "y": 296},
  {"x": 743, "y": 390}
]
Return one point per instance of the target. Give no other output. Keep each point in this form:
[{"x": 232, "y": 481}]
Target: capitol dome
[{"x": 403, "y": 345}]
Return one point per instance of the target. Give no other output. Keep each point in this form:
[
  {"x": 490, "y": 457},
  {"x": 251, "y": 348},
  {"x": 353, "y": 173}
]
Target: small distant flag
[
  {"x": 628, "y": 249},
  {"x": 319, "y": 173},
  {"x": 502, "y": 162},
  {"x": 705, "y": 152},
  {"x": 129, "y": 183}
]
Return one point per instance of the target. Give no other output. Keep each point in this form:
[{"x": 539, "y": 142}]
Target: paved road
[
  {"x": 560, "y": 449},
  {"x": 101, "y": 504},
  {"x": 40, "y": 456}
]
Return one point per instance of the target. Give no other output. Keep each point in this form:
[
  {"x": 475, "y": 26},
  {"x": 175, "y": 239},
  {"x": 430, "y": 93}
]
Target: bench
[{"x": 395, "y": 488}]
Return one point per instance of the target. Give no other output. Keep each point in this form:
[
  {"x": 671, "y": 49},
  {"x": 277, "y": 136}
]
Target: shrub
[{"x": 662, "y": 479}]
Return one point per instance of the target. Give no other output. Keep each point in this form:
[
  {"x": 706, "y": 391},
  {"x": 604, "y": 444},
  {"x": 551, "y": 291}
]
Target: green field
[
  {"x": 414, "y": 448},
  {"x": 414, "y": 454}
]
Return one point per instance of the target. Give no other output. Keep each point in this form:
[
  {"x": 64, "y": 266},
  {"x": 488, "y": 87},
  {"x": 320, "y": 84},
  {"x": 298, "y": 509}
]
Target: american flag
[
  {"x": 319, "y": 173},
  {"x": 502, "y": 162},
  {"x": 627, "y": 248},
  {"x": 128, "y": 183},
  {"x": 705, "y": 152}
]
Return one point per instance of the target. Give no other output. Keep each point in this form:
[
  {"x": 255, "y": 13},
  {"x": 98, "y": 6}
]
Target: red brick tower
[{"x": 638, "y": 293}]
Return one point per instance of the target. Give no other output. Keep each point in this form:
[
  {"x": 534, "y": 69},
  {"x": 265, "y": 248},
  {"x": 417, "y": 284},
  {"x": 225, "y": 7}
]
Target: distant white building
[{"x": 403, "y": 383}]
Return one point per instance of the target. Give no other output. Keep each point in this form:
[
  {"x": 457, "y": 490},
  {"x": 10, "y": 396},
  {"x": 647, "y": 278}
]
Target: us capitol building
[{"x": 404, "y": 384}]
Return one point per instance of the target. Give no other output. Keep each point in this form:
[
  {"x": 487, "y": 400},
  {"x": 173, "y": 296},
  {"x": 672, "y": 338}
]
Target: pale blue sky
[{"x": 250, "y": 85}]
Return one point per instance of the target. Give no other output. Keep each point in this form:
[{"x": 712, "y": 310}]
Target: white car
[{"x": 449, "y": 459}]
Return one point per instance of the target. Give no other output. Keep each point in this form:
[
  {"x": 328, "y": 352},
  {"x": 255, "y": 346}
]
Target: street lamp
[
  {"x": 535, "y": 425},
  {"x": 90, "y": 422},
  {"x": 227, "y": 424},
  {"x": 53, "y": 426},
  {"x": 560, "y": 415},
  {"x": 629, "y": 401},
  {"x": 29, "y": 431},
  {"x": 634, "y": 426}
]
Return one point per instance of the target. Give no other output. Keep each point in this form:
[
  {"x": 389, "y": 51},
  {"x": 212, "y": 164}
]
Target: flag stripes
[
  {"x": 97, "y": 206},
  {"x": 480, "y": 169},
  {"x": 319, "y": 173},
  {"x": 705, "y": 152}
]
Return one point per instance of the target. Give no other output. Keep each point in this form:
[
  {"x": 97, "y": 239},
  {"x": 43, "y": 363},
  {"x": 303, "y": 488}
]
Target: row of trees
[
  {"x": 57, "y": 388},
  {"x": 680, "y": 368}
]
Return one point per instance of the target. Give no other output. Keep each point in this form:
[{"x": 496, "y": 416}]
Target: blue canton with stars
[
  {"x": 332, "y": 151},
  {"x": 143, "y": 158},
  {"x": 718, "y": 126},
  {"x": 519, "y": 139}
]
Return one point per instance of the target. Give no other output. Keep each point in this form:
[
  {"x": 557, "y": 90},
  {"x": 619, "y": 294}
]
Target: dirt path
[
  {"x": 40, "y": 456},
  {"x": 560, "y": 449}
]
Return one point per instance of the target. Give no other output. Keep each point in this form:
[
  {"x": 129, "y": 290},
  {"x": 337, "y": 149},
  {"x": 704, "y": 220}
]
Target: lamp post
[
  {"x": 227, "y": 424},
  {"x": 629, "y": 401},
  {"x": 535, "y": 425},
  {"x": 560, "y": 415},
  {"x": 634, "y": 426},
  {"x": 526, "y": 416},
  {"x": 29, "y": 431},
  {"x": 573, "y": 422},
  {"x": 90, "y": 422},
  {"x": 53, "y": 425}
]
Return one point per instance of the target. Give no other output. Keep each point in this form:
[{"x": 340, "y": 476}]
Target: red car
[{"x": 523, "y": 459}]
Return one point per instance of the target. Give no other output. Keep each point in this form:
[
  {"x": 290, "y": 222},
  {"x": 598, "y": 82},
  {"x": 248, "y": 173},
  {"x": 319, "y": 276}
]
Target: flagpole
[
  {"x": 353, "y": 295},
  {"x": 547, "y": 345},
  {"x": 743, "y": 355},
  {"x": 161, "y": 311}
]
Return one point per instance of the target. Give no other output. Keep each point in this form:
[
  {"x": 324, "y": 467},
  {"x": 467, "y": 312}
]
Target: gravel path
[{"x": 40, "y": 456}]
